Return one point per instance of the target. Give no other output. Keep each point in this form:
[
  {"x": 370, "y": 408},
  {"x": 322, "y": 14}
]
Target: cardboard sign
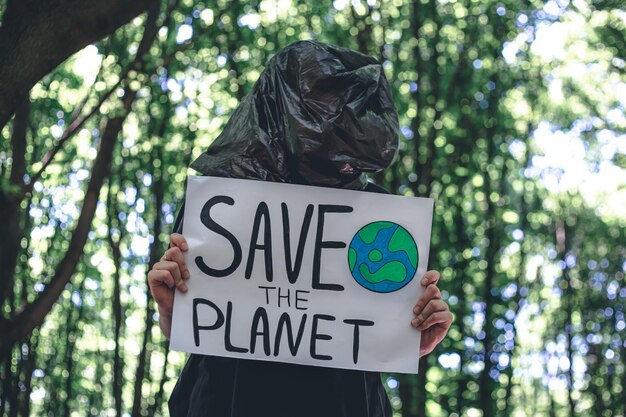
[{"x": 299, "y": 274}]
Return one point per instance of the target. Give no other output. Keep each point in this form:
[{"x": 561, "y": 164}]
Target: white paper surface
[{"x": 323, "y": 332}]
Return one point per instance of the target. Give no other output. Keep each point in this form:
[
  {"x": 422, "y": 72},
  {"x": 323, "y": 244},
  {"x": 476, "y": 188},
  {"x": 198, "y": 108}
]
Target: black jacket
[{"x": 212, "y": 386}]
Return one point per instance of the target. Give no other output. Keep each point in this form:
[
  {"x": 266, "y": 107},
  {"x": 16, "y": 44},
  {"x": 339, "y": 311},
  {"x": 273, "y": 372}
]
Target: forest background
[{"x": 513, "y": 119}]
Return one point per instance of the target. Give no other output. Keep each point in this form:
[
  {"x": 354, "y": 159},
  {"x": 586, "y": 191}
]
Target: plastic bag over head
[{"x": 318, "y": 115}]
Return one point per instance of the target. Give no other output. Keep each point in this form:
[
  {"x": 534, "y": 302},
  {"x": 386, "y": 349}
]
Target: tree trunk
[
  {"x": 70, "y": 344},
  {"x": 417, "y": 96},
  {"x": 155, "y": 254},
  {"x": 28, "y": 367},
  {"x": 421, "y": 387},
  {"x": 564, "y": 244},
  {"x": 8, "y": 397},
  {"x": 406, "y": 395},
  {"x": 117, "y": 359},
  {"x": 526, "y": 199},
  {"x": 9, "y": 246},
  {"x": 58, "y": 27},
  {"x": 422, "y": 149},
  {"x": 158, "y": 398},
  {"x": 9, "y": 211},
  {"x": 33, "y": 315},
  {"x": 364, "y": 36},
  {"x": 112, "y": 223},
  {"x": 492, "y": 233}
]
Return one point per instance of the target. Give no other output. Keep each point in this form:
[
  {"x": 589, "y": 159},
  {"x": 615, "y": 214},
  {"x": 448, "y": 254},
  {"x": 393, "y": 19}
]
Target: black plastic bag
[{"x": 318, "y": 115}]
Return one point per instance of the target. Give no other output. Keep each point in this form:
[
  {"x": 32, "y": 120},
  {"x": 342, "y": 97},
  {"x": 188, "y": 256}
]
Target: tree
[
  {"x": 103, "y": 106},
  {"x": 60, "y": 28}
]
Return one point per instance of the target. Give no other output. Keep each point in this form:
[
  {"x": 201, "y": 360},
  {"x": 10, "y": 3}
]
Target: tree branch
[
  {"x": 58, "y": 27},
  {"x": 77, "y": 122}
]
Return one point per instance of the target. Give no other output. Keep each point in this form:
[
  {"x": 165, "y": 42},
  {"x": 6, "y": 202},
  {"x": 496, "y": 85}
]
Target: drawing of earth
[{"x": 382, "y": 257}]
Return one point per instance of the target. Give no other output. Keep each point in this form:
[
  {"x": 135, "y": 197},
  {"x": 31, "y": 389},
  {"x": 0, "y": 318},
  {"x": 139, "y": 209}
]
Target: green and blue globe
[{"x": 382, "y": 257}]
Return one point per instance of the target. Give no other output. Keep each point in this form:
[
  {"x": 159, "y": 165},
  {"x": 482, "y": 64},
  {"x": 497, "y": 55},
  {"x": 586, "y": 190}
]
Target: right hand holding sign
[{"x": 169, "y": 273}]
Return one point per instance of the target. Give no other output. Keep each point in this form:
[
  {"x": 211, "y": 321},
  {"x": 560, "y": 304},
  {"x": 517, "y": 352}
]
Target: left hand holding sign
[
  {"x": 169, "y": 273},
  {"x": 432, "y": 314}
]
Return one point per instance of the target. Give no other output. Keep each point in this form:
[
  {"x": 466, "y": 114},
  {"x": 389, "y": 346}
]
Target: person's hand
[
  {"x": 432, "y": 315},
  {"x": 169, "y": 273}
]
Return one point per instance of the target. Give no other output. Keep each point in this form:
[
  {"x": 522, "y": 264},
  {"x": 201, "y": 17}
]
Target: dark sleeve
[
  {"x": 373, "y": 188},
  {"x": 211, "y": 386},
  {"x": 178, "y": 223}
]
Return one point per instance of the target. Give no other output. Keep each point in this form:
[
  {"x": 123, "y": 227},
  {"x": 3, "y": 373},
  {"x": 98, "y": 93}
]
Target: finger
[
  {"x": 178, "y": 240},
  {"x": 161, "y": 285},
  {"x": 158, "y": 277},
  {"x": 431, "y": 292},
  {"x": 175, "y": 254},
  {"x": 434, "y": 306},
  {"x": 430, "y": 277},
  {"x": 442, "y": 317},
  {"x": 174, "y": 270},
  {"x": 179, "y": 282}
]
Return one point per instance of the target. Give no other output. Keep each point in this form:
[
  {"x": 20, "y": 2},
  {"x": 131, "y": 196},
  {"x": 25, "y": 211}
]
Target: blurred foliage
[{"x": 512, "y": 117}]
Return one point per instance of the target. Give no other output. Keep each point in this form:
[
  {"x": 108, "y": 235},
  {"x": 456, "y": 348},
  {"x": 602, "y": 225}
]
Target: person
[{"x": 319, "y": 115}]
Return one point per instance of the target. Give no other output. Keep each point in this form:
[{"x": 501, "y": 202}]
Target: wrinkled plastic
[{"x": 318, "y": 115}]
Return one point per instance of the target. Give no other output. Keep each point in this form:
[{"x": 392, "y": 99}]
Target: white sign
[{"x": 301, "y": 274}]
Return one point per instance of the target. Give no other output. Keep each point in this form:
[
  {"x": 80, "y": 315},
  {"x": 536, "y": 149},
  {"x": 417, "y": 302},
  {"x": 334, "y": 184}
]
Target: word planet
[{"x": 382, "y": 257}]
